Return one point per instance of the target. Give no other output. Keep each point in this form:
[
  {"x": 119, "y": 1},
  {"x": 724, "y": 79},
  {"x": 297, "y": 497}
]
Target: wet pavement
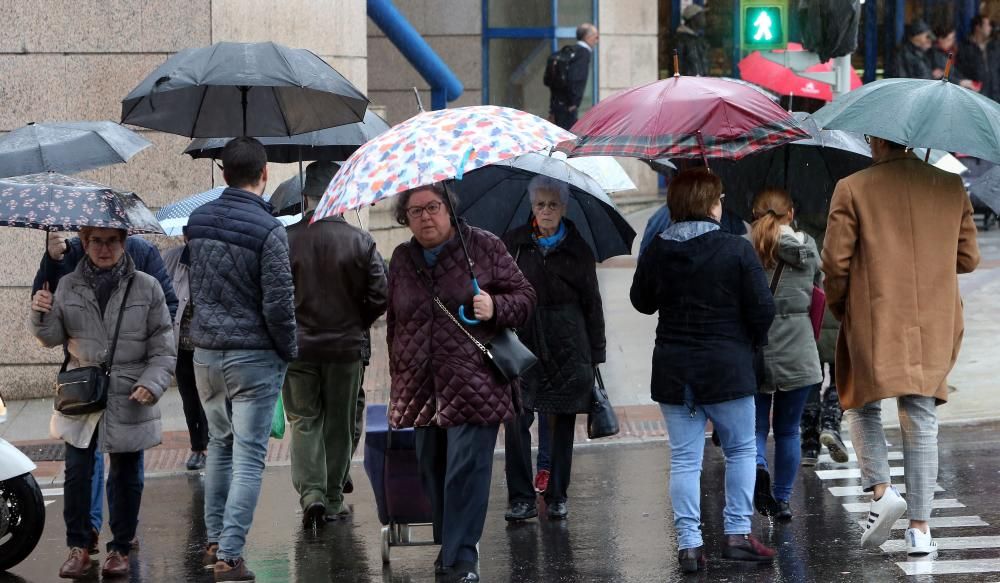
[{"x": 619, "y": 528}]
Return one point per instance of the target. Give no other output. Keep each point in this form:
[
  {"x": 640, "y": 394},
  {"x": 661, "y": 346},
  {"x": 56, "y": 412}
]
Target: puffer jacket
[
  {"x": 566, "y": 331},
  {"x": 177, "y": 267},
  {"x": 791, "y": 359},
  {"x": 241, "y": 279},
  {"x": 439, "y": 377},
  {"x": 145, "y": 356}
]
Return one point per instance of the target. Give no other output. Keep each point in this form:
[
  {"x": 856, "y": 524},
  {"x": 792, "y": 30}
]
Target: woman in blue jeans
[
  {"x": 714, "y": 308},
  {"x": 791, "y": 360}
]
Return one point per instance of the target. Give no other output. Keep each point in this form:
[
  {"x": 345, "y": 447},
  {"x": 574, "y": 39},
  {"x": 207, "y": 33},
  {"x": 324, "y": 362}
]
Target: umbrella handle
[
  {"x": 460, "y": 171},
  {"x": 461, "y": 309}
]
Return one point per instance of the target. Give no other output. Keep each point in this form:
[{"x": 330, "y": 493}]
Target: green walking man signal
[{"x": 763, "y": 24}]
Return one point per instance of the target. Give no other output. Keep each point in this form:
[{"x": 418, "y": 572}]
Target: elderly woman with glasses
[
  {"x": 566, "y": 332},
  {"x": 442, "y": 384},
  {"x": 83, "y": 315},
  {"x": 715, "y": 309}
]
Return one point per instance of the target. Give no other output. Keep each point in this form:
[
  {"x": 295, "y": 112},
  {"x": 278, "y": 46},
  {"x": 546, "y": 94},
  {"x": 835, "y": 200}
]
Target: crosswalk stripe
[
  {"x": 949, "y": 543},
  {"x": 850, "y": 473},
  {"x": 939, "y": 503},
  {"x": 940, "y": 522},
  {"x": 950, "y": 567},
  {"x": 52, "y": 491},
  {"x": 841, "y": 491},
  {"x": 894, "y": 456},
  {"x": 47, "y": 502}
]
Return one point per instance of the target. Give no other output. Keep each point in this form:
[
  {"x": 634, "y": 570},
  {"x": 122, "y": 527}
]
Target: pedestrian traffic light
[{"x": 763, "y": 24}]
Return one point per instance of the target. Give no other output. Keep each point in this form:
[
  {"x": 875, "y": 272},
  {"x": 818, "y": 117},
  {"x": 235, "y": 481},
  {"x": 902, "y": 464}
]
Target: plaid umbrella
[
  {"x": 54, "y": 202},
  {"x": 684, "y": 117}
]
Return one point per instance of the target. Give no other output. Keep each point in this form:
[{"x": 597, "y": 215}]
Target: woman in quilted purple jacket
[{"x": 441, "y": 383}]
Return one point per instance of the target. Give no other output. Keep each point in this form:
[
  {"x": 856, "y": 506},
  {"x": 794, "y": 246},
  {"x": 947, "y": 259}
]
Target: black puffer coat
[{"x": 566, "y": 331}]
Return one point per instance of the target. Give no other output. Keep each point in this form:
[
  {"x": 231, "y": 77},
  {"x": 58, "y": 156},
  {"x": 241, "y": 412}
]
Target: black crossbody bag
[{"x": 85, "y": 390}]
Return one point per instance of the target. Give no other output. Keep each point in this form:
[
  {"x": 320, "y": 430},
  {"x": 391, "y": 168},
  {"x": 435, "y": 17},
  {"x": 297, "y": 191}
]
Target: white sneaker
[
  {"x": 883, "y": 513},
  {"x": 919, "y": 543}
]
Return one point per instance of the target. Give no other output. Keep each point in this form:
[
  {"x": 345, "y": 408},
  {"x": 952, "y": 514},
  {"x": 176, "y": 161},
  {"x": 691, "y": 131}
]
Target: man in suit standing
[{"x": 564, "y": 106}]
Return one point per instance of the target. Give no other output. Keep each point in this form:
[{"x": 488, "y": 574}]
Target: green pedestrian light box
[{"x": 764, "y": 24}]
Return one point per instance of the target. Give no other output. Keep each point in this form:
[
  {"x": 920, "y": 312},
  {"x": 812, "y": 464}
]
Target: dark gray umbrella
[
  {"x": 67, "y": 147},
  {"x": 249, "y": 89},
  {"x": 335, "y": 144},
  {"x": 985, "y": 188}
]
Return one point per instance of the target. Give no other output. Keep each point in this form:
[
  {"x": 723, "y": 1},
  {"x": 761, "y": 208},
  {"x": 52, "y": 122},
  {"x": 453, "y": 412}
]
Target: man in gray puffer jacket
[{"x": 243, "y": 330}]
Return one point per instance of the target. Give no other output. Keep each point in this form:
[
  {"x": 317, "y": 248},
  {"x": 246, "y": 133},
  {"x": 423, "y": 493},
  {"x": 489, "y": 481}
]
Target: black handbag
[
  {"x": 759, "y": 366},
  {"x": 602, "y": 420},
  {"x": 85, "y": 390},
  {"x": 507, "y": 356}
]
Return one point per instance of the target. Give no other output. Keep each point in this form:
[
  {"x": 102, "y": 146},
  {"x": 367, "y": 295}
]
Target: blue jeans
[
  {"x": 788, "y": 407},
  {"x": 686, "y": 428},
  {"x": 97, "y": 490},
  {"x": 239, "y": 389}
]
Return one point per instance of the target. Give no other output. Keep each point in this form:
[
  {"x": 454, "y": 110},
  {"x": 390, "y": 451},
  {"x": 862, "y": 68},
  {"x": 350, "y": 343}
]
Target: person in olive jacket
[
  {"x": 791, "y": 360},
  {"x": 714, "y": 310},
  {"x": 566, "y": 333}
]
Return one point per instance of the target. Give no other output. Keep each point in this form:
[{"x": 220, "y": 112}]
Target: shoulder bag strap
[
  {"x": 118, "y": 327},
  {"x": 479, "y": 345},
  {"x": 776, "y": 278}
]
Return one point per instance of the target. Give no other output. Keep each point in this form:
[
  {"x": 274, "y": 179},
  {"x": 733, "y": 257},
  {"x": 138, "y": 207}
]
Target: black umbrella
[
  {"x": 334, "y": 144},
  {"x": 67, "y": 147},
  {"x": 495, "y": 198},
  {"x": 249, "y": 89},
  {"x": 985, "y": 188}
]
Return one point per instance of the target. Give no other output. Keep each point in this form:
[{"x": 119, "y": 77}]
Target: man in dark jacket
[
  {"x": 565, "y": 105},
  {"x": 979, "y": 57},
  {"x": 243, "y": 330},
  {"x": 913, "y": 58},
  {"x": 340, "y": 290},
  {"x": 692, "y": 47}
]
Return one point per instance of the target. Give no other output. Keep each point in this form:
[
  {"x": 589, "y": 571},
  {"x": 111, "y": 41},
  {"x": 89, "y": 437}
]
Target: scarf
[
  {"x": 103, "y": 281},
  {"x": 547, "y": 244}
]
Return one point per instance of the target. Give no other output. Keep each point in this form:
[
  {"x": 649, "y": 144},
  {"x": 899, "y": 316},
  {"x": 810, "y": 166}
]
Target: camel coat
[{"x": 899, "y": 234}]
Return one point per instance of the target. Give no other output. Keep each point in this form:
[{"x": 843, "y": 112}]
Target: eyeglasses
[
  {"x": 431, "y": 208},
  {"x": 868, "y": 139},
  {"x": 551, "y": 205},
  {"x": 106, "y": 243}
]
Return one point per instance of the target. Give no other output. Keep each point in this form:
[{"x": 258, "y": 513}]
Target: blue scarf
[
  {"x": 549, "y": 243},
  {"x": 431, "y": 255}
]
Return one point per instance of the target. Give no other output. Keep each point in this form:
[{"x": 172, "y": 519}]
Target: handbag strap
[
  {"x": 776, "y": 278},
  {"x": 451, "y": 317},
  {"x": 118, "y": 327}
]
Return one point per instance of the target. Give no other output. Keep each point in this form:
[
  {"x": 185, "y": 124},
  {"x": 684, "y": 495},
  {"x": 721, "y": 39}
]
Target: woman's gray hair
[{"x": 544, "y": 183}]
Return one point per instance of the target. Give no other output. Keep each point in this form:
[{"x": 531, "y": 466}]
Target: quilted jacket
[
  {"x": 566, "y": 331},
  {"x": 439, "y": 377},
  {"x": 145, "y": 356},
  {"x": 240, "y": 276}
]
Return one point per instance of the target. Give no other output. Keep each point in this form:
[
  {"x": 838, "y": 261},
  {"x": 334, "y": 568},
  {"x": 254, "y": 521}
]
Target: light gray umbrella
[
  {"x": 67, "y": 147},
  {"x": 243, "y": 89}
]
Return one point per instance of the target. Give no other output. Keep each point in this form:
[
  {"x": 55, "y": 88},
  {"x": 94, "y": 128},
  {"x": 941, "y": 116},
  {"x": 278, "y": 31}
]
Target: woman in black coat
[{"x": 566, "y": 332}]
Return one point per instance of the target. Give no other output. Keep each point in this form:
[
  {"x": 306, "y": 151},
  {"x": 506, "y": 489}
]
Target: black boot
[
  {"x": 763, "y": 497},
  {"x": 691, "y": 560},
  {"x": 809, "y": 430},
  {"x": 830, "y": 426}
]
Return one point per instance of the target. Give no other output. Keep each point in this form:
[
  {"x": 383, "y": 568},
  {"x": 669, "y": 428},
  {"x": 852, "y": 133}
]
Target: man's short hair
[
  {"x": 583, "y": 30},
  {"x": 692, "y": 194},
  {"x": 977, "y": 21},
  {"x": 243, "y": 162}
]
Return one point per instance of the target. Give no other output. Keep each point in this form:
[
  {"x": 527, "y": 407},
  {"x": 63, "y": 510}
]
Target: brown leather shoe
[
  {"x": 209, "y": 558},
  {"x": 77, "y": 565},
  {"x": 233, "y": 570},
  {"x": 115, "y": 565}
]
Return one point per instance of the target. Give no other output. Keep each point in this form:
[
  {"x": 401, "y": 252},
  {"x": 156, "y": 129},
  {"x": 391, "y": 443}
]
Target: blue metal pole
[
  {"x": 871, "y": 40},
  {"x": 965, "y": 10},
  {"x": 675, "y": 15}
]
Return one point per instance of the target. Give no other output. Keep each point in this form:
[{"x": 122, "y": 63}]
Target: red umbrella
[
  {"x": 756, "y": 69},
  {"x": 684, "y": 117}
]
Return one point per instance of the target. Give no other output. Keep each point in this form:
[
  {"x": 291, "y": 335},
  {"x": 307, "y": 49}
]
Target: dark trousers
[
  {"x": 517, "y": 444},
  {"x": 194, "y": 413},
  {"x": 822, "y": 411},
  {"x": 456, "y": 468},
  {"x": 562, "y": 430},
  {"x": 124, "y": 496},
  {"x": 562, "y": 117}
]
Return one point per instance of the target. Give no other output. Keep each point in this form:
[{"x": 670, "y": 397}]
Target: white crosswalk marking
[
  {"x": 939, "y": 522},
  {"x": 52, "y": 491},
  {"x": 939, "y": 503},
  {"x": 842, "y": 491},
  {"x": 950, "y": 567},
  {"x": 850, "y": 473},
  {"x": 949, "y": 543},
  {"x": 894, "y": 456}
]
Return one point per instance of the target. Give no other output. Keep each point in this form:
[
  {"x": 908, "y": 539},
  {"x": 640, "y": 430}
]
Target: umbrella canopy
[
  {"x": 174, "y": 217},
  {"x": 770, "y": 75},
  {"x": 495, "y": 198},
  {"x": 54, "y": 202},
  {"x": 604, "y": 169},
  {"x": 334, "y": 144},
  {"x": 766, "y": 93},
  {"x": 921, "y": 114},
  {"x": 249, "y": 89},
  {"x": 67, "y": 147},
  {"x": 432, "y": 147},
  {"x": 683, "y": 117}
]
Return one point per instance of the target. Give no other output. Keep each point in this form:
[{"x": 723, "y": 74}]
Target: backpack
[{"x": 556, "y": 75}]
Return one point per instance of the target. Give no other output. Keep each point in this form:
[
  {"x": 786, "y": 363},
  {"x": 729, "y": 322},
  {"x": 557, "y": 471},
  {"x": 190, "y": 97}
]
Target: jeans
[
  {"x": 788, "y": 406},
  {"x": 918, "y": 424},
  {"x": 97, "y": 489},
  {"x": 734, "y": 421},
  {"x": 320, "y": 401},
  {"x": 194, "y": 413},
  {"x": 124, "y": 496},
  {"x": 239, "y": 389}
]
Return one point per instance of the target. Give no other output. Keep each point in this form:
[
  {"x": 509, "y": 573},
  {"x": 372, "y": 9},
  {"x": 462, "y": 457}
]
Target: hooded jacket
[{"x": 714, "y": 308}]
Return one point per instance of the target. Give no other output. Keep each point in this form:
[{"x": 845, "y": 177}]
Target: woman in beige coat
[{"x": 83, "y": 315}]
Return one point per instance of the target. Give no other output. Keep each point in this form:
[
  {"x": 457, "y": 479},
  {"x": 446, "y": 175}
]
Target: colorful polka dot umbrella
[{"x": 431, "y": 147}]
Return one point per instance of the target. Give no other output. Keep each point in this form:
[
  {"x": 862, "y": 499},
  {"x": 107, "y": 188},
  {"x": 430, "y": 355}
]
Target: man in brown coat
[{"x": 899, "y": 234}]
